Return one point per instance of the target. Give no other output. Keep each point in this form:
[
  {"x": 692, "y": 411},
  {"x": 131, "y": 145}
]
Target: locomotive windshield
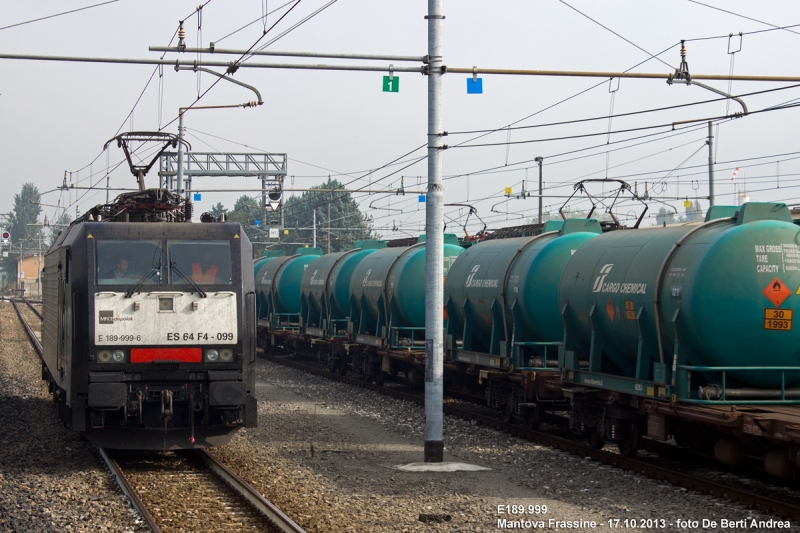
[
  {"x": 127, "y": 262},
  {"x": 204, "y": 262}
]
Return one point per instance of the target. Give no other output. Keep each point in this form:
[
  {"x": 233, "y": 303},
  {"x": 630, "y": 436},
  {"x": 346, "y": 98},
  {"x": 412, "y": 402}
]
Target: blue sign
[
  {"x": 197, "y": 196},
  {"x": 421, "y": 198},
  {"x": 475, "y": 86},
  {"x": 258, "y": 222}
]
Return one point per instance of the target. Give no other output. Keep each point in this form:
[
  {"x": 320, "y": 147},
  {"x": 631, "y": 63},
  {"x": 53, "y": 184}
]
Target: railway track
[
  {"x": 764, "y": 503},
  {"x": 173, "y": 491},
  {"x": 30, "y": 305},
  {"x": 35, "y": 341},
  {"x": 192, "y": 490}
]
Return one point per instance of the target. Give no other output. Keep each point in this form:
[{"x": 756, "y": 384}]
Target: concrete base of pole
[
  {"x": 441, "y": 467},
  {"x": 434, "y": 451}
]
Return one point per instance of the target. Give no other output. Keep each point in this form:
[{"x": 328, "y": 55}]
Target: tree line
[{"x": 348, "y": 224}]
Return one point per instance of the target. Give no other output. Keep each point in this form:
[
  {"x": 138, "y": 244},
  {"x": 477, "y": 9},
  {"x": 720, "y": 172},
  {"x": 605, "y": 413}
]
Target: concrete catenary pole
[
  {"x": 434, "y": 247},
  {"x": 710, "y": 164},
  {"x": 315, "y": 228}
]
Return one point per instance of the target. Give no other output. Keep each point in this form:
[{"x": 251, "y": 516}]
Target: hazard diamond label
[
  {"x": 777, "y": 292},
  {"x": 610, "y": 310}
]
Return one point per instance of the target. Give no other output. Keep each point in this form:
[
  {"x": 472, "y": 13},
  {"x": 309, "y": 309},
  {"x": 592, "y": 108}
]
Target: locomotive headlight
[
  {"x": 226, "y": 355},
  {"x": 119, "y": 356},
  {"x": 104, "y": 356},
  {"x": 212, "y": 355}
]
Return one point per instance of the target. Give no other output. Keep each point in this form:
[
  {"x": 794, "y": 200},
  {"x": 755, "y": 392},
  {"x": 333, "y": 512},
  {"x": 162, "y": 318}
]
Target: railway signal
[{"x": 6, "y": 238}]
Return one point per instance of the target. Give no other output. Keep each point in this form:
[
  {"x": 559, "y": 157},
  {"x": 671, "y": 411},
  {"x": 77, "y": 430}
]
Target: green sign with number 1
[{"x": 391, "y": 85}]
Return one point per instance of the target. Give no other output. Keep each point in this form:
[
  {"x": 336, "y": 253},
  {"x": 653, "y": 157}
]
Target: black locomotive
[{"x": 148, "y": 327}]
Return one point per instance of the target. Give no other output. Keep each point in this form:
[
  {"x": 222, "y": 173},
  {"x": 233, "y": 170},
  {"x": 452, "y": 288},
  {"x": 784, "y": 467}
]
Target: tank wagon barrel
[
  {"x": 278, "y": 281},
  {"x": 325, "y": 290},
  {"x": 387, "y": 295},
  {"x": 719, "y": 294}
]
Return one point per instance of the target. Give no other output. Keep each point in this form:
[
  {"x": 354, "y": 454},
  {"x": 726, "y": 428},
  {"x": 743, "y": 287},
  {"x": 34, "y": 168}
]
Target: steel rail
[
  {"x": 31, "y": 335},
  {"x": 680, "y": 479},
  {"x": 128, "y": 490},
  {"x": 267, "y": 508},
  {"x": 32, "y": 308}
]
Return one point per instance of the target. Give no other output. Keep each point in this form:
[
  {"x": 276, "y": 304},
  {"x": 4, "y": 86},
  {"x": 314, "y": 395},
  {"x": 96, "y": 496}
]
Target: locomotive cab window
[
  {"x": 128, "y": 262},
  {"x": 200, "y": 262}
]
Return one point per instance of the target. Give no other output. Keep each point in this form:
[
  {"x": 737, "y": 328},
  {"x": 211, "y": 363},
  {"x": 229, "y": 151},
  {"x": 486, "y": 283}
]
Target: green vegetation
[{"x": 348, "y": 223}]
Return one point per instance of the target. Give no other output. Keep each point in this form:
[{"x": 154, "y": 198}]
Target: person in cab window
[
  {"x": 118, "y": 273},
  {"x": 205, "y": 271}
]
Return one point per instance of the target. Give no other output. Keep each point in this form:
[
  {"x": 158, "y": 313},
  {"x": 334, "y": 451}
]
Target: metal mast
[
  {"x": 434, "y": 247},
  {"x": 539, "y": 160},
  {"x": 710, "y": 164}
]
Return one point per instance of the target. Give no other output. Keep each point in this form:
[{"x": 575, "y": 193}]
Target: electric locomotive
[{"x": 148, "y": 327}]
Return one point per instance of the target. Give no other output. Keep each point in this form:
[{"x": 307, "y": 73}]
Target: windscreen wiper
[
  {"x": 147, "y": 276},
  {"x": 187, "y": 278}
]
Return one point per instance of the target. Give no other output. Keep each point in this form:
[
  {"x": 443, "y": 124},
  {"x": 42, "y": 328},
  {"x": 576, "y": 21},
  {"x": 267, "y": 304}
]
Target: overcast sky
[{"x": 57, "y": 116}]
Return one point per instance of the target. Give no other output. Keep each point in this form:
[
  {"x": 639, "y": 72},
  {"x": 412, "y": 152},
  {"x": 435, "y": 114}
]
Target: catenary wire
[
  {"x": 615, "y": 33},
  {"x": 57, "y": 14},
  {"x": 742, "y": 16},
  {"x": 253, "y": 22},
  {"x": 620, "y": 115}
]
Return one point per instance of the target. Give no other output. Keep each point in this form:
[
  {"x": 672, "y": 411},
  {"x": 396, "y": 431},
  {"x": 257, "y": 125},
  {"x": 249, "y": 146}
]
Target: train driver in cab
[
  {"x": 118, "y": 274},
  {"x": 205, "y": 271}
]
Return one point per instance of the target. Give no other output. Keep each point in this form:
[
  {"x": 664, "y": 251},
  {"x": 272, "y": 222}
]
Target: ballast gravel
[
  {"x": 50, "y": 480},
  {"x": 326, "y": 452}
]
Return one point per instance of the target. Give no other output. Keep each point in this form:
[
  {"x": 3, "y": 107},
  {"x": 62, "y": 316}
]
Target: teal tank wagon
[
  {"x": 325, "y": 290},
  {"x": 502, "y": 296},
  {"x": 261, "y": 297},
  {"x": 695, "y": 313},
  {"x": 279, "y": 281},
  {"x": 387, "y": 295}
]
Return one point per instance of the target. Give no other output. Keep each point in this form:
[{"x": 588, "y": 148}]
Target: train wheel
[
  {"x": 594, "y": 439},
  {"x": 629, "y": 446},
  {"x": 533, "y": 417},
  {"x": 508, "y": 410}
]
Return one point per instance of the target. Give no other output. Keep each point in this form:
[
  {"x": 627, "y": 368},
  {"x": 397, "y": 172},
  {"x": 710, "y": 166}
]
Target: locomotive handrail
[{"x": 660, "y": 275}]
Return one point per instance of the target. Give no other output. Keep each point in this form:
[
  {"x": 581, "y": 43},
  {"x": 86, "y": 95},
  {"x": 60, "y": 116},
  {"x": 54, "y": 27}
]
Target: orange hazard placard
[
  {"x": 610, "y": 310},
  {"x": 777, "y": 292}
]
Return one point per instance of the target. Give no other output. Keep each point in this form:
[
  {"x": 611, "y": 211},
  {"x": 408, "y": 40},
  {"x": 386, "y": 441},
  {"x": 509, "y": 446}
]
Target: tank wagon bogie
[{"x": 148, "y": 332}]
